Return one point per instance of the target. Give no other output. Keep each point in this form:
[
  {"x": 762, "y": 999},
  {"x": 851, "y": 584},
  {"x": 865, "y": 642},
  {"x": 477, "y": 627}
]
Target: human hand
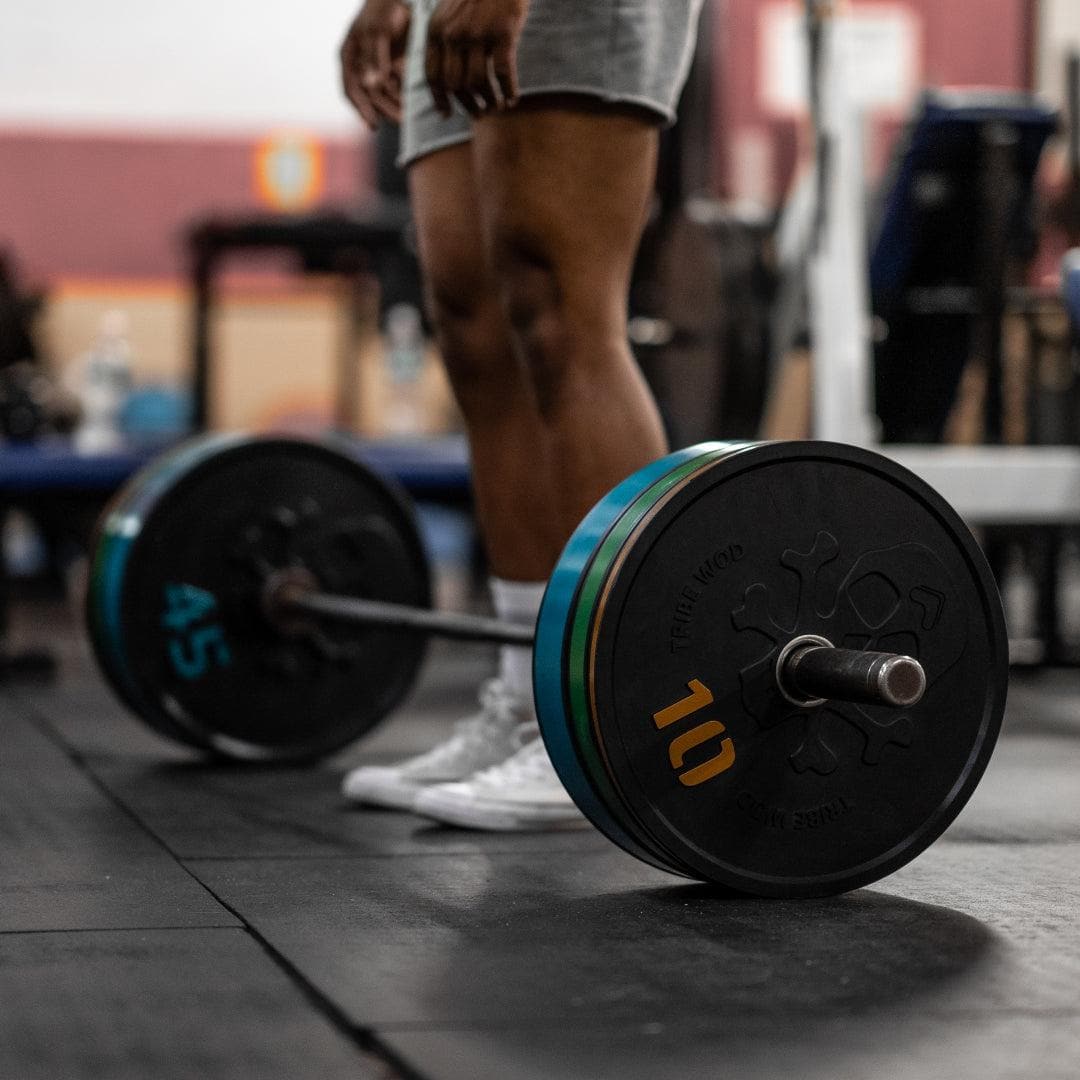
[
  {"x": 373, "y": 58},
  {"x": 471, "y": 53}
]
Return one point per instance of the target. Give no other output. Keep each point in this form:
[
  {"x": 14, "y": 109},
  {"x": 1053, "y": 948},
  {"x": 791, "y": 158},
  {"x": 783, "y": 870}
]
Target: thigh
[
  {"x": 442, "y": 192},
  {"x": 564, "y": 185}
]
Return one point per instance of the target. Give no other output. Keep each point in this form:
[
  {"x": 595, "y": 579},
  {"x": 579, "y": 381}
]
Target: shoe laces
[
  {"x": 530, "y": 763},
  {"x": 500, "y": 714}
]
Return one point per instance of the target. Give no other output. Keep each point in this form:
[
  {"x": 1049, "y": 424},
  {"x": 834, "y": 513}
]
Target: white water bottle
[
  {"x": 404, "y": 347},
  {"x": 103, "y": 383}
]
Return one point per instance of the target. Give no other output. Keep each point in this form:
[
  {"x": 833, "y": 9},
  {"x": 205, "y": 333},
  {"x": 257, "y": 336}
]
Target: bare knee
[
  {"x": 471, "y": 332},
  {"x": 559, "y": 324},
  {"x": 537, "y": 313}
]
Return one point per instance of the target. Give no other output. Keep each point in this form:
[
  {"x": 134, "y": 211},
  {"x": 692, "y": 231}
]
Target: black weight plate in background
[
  {"x": 109, "y": 547},
  {"x": 772, "y": 542},
  {"x": 195, "y": 644}
]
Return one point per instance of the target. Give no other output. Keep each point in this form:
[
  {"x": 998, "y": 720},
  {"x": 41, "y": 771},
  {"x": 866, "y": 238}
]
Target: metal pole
[
  {"x": 809, "y": 670},
  {"x": 291, "y": 600}
]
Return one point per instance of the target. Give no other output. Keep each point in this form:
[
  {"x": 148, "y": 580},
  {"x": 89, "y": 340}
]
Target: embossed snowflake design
[{"x": 897, "y": 599}]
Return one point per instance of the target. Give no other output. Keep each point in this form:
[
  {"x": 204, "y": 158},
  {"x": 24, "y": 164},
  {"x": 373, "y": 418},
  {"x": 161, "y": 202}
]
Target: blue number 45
[{"x": 194, "y": 648}]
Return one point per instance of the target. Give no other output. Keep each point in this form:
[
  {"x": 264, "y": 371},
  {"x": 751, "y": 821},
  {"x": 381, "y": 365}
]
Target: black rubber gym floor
[{"x": 163, "y": 917}]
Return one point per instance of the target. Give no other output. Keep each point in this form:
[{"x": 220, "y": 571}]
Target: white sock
[{"x": 517, "y": 602}]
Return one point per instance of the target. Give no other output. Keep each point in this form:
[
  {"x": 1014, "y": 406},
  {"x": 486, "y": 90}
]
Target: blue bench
[
  {"x": 64, "y": 492},
  {"x": 427, "y": 468}
]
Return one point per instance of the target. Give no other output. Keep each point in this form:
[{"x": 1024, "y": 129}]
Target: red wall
[
  {"x": 104, "y": 206},
  {"x": 85, "y": 205}
]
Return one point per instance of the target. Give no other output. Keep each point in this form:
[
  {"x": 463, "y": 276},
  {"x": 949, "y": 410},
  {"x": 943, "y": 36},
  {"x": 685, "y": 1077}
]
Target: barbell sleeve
[{"x": 818, "y": 671}]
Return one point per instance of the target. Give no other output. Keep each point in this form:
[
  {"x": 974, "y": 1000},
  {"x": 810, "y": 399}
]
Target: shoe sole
[
  {"x": 495, "y": 816},
  {"x": 394, "y": 795}
]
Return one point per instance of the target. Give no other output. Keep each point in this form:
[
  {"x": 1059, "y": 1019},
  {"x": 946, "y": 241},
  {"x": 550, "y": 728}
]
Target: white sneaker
[
  {"x": 523, "y": 792},
  {"x": 498, "y": 730}
]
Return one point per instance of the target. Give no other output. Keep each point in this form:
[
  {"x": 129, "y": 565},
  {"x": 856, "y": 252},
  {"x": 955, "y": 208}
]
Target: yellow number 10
[{"x": 700, "y": 696}]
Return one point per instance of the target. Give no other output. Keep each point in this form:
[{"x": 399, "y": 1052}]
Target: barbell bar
[{"x": 809, "y": 672}]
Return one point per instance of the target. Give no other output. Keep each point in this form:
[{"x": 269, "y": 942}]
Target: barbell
[
  {"x": 780, "y": 667},
  {"x": 809, "y": 670}
]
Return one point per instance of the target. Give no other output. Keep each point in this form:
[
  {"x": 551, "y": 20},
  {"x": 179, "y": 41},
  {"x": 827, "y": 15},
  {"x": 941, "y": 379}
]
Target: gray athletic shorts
[{"x": 634, "y": 52}]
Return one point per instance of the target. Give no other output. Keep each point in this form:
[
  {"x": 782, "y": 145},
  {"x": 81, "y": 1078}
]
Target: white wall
[
  {"x": 1059, "y": 33},
  {"x": 188, "y": 65}
]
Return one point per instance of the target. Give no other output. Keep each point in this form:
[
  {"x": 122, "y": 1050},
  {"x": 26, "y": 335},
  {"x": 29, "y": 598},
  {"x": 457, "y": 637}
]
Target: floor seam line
[
  {"x": 235, "y": 927},
  {"x": 365, "y": 1039}
]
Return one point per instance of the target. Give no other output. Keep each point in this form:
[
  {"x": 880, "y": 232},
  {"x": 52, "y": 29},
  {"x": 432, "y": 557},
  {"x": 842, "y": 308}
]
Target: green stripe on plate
[{"x": 576, "y": 666}]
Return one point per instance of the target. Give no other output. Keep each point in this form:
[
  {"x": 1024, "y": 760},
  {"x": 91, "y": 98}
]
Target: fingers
[
  {"x": 478, "y": 85},
  {"x": 433, "y": 72},
  {"x": 480, "y": 75},
  {"x": 385, "y": 80},
  {"x": 352, "y": 81},
  {"x": 370, "y": 77},
  {"x": 453, "y": 77},
  {"x": 504, "y": 70}
]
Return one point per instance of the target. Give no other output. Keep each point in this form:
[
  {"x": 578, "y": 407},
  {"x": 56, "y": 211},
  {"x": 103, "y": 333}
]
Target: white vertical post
[{"x": 839, "y": 296}]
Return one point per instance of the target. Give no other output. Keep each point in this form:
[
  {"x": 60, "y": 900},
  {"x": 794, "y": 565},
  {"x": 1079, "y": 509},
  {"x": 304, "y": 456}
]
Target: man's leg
[
  {"x": 511, "y": 480},
  {"x": 531, "y": 316},
  {"x": 562, "y": 191},
  {"x": 507, "y": 439}
]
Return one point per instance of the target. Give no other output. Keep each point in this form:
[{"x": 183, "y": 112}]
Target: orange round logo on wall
[{"x": 289, "y": 171}]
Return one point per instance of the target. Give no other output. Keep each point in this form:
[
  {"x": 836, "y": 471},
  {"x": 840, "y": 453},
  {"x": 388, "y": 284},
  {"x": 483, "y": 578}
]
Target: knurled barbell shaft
[
  {"x": 873, "y": 678},
  {"x": 812, "y": 671}
]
